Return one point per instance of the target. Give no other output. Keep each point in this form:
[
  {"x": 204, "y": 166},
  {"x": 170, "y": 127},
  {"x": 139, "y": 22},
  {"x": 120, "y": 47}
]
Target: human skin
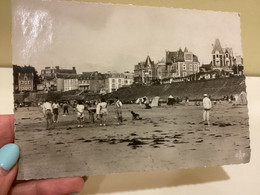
[{"x": 8, "y": 183}]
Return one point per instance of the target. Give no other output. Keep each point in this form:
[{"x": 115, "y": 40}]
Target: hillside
[{"x": 216, "y": 88}]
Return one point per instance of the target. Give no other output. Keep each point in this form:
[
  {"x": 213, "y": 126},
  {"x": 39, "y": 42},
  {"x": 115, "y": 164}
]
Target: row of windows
[
  {"x": 71, "y": 81},
  {"x": 25, "y": 82},
  {"x": 217, "y": 55},
  {"x": 25, "y": 88},
  {"x": 113, "y": 80},
  {"x": 128, "y": 82},
  {"x": 191, "y": 67},
  {"x": 84, "y": 82},
  {"x": 114, "y": 86}
]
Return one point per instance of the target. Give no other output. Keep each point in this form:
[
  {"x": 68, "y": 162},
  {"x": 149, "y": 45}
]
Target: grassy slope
[{"x": 194, "y": 90}]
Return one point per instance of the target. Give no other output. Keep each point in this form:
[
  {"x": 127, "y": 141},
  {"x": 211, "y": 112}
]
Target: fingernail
[{"x": 9, "y": 155}]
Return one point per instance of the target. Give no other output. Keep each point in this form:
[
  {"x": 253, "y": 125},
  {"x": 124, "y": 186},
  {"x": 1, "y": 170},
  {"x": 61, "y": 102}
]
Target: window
[
  {"x": 126, "y": 81},
  {"x": 195, "y": 67},
  {"x": 113, "y": 80},
  {"x": 217, "y": 55},
  {"x": 113, "y": 86},
  {"x": 119, "y": 80},
  {"x": 184, "y": 66},
  {"x": 184, "y": 74},
  {"x": 190, "y": 67}
]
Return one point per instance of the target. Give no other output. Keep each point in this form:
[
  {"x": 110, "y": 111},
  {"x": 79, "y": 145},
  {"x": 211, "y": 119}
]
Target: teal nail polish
[{"x": 9, "y": 155}]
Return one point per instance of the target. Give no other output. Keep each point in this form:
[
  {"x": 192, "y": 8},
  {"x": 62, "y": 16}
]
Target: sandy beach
[{"x": 167, "y": 137}]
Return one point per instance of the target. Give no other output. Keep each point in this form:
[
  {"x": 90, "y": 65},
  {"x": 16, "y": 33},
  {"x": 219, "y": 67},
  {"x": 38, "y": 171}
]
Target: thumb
[{"x": 9, "y": 155}]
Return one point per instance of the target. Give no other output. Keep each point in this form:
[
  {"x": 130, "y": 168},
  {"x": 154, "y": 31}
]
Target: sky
[{"x": 107, "y": 37}]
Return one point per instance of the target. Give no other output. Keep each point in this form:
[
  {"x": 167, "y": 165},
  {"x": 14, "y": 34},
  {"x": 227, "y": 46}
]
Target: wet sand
[{"x": 167, "y": 137}]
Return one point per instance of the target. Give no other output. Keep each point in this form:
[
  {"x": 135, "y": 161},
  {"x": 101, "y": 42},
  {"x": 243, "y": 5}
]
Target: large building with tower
[
  {"x": 222, "y": 58},
  {"x": 181, "y": 63}
]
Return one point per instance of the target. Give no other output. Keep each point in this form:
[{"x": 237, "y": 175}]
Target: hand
[{"x": 8, "y": 169}]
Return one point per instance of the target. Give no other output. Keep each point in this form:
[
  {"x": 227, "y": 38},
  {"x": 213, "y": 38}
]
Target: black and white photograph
[{"x": 109, "y": 88}]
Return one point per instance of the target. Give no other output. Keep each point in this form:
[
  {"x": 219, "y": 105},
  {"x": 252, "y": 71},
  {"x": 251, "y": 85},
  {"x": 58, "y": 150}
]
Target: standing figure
[
  {"x": 92, "y": 110},
  {"x": 74, "y": 105},
  {"x": 80, "y": 113},
  {"x": 102, "y": 112},
  {"x": 119, "y": 116},
  {"x": 65, "y": 108},
  {"x": 48, "y": 114},
  {"x": 55, "y": 107},
  {"x": 207, "y": 106}
]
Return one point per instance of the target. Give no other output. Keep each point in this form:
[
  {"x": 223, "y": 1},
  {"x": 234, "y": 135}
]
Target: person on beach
[
  {"x": 48, "y": 114},
  {"x": 80, "y": 113},
  {"x": 207, "y": 106},
  {"x": 119, "y": 116},
  {"x": 92, "y": 110},
  {"x": 65, "y": 108},
  {"x": 55, "y": 107},
  {"x": 102, "y": 112}
]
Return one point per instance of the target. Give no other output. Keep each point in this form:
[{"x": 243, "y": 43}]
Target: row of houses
[
  {"x": 176, "y": 66},
  {"x": 58, "y": 79},
  {"x": 183, "y": 65}
]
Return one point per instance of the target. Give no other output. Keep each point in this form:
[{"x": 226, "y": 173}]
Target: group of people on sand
[
  {"x": 102, "y": 111},
  {"x": 51, "y": 111},
  {"x": 99, "y": 110}
]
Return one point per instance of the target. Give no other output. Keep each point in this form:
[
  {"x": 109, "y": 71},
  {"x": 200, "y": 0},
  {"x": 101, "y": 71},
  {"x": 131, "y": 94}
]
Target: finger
[
  {"x": 6, "y": 129},
  {"x": 59, "y": 186},
  {"x": 7, "y": 180},
  {"x": 9, "y": 155}
]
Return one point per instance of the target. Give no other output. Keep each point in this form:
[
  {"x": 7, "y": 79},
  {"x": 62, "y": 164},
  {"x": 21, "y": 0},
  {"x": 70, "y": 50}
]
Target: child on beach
[
  {"x": 48, "y": 114},
  {"x": 65, "y": 108},
  {"x": 55, "y": 107},
  {"x": 102, "y": 111},
  {"x": 91, "y": 110},
  {"x": 80, "y": 113},
  {"x": 119, "y": 111}
]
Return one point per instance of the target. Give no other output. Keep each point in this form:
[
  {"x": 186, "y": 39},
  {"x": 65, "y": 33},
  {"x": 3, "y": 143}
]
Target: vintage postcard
[{"x": 104, "y": 88}]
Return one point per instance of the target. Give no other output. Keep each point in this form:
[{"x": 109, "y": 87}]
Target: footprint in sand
[
  {"x": 81, "y": 139},
  {"x": 155, "y": 146},
  {"x": 158, "y": 131},
  {"x": 59, "y": 143},
  {"x": 112, "y": 142}
]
